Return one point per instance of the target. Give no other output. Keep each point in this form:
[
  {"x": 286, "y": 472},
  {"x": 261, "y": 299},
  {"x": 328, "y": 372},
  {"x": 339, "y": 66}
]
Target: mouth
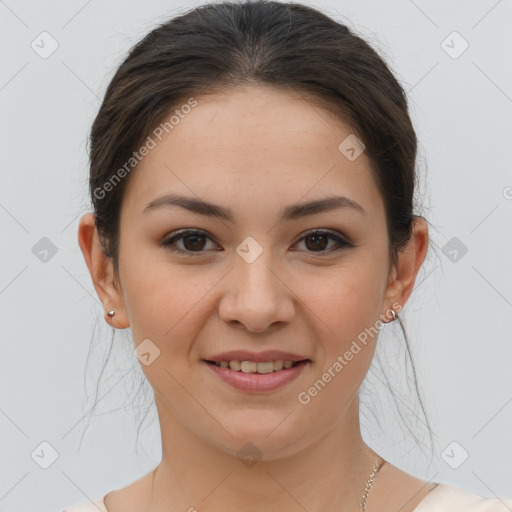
[
  {"x": 257, "y": 377},
  {"x": 260, "y": 367}
]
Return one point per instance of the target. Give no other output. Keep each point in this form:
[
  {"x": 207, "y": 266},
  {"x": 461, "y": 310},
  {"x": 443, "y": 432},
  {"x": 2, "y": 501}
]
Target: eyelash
[{"x": 169, "y": 242}]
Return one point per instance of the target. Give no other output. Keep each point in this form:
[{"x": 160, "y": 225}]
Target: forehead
[{"x": 256, "y": 142}]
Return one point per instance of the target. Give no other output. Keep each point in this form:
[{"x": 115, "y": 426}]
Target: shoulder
[
  {"x": 96, "y": 505},
  {"x": 448, "y": 498}
]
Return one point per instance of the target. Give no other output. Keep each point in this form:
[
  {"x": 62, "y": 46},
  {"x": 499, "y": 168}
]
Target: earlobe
[{"x": 102, "y": 273}]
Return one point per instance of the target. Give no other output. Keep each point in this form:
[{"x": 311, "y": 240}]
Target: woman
[{"x": 252, "y": 180}]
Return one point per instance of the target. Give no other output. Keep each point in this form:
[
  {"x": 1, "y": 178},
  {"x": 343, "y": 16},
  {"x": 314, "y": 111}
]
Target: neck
[{"x": 329, "y": 474}]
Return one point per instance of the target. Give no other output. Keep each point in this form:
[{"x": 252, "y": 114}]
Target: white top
[{"x": 442, "y": 498}]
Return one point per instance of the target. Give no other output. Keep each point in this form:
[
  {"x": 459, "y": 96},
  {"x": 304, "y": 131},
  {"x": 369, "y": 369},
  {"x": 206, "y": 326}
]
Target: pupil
[
  {"x": 194, "y": 244},
  {"x": 316, "y": 239}
]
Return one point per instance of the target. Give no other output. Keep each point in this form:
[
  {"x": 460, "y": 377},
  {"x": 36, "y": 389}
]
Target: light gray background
[{"x": 458, "y": 320}]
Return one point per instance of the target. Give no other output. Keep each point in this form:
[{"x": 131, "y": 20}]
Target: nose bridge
[
  {"x": 256, "y": 296},
  {"x": 253, "y": 271}
]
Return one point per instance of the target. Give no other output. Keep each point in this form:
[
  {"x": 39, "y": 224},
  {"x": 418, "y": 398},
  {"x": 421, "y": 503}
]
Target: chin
[{"x": 262, "y": 440}]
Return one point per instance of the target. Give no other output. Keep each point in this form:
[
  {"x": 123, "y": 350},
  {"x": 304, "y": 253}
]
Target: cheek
[
  {"x": 345, "y": 300},
  {"x": 162, "y": 300},
  {"x": 346, "y": 308}
]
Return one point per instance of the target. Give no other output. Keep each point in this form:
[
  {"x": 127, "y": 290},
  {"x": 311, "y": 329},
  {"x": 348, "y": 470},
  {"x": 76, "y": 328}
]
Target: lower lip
[{"x": 258, "y": 381}]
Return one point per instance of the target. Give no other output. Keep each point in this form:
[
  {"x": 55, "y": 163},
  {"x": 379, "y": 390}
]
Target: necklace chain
[
  {"x": 376, "y": 468},
  {"x": 369, "y": 483}
]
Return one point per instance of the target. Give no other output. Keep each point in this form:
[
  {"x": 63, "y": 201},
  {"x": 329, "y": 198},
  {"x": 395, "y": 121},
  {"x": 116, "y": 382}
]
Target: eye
[
  {"x": 193, "y": 241},
  {"x": 318, "y": 239}
]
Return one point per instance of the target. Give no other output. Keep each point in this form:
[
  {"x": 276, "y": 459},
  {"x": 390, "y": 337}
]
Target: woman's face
[{"x": 255, "y": 279}]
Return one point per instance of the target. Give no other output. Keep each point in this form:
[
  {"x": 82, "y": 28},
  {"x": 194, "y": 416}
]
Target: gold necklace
[{"x": 369, "y": 483}]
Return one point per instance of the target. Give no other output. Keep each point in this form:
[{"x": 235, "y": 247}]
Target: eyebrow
[{"x": 290, "y": 212}]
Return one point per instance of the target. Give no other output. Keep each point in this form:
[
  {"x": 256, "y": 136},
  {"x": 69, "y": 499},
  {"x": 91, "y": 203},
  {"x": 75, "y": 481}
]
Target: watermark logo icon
[
  {"x": 44, "y": 250},
  {"x": 44, "y": 45},
  {"x": 44, "y": 455},
  {"x": 454, "y": 249},
  {"x": 351, "y": 147},
  {"x": 249, "y": 454},
  {"x": 454, "y": 45},
  {"x": 454, "y": 455},
  {"x": 249, "y": 249},
  {"x": 146, "y": 352}
]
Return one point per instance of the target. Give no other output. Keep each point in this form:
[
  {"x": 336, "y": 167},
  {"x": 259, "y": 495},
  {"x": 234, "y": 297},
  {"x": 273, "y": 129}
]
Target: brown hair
[{"x": 216, "y": 47}]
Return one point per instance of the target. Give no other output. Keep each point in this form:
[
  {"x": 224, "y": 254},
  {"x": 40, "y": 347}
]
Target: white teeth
[
  {"x": 235, "y": 365},
  {"x": 266, "y": 367},
  {"x": 254, "y": 367},
  {"x": 249, "y": 366}
]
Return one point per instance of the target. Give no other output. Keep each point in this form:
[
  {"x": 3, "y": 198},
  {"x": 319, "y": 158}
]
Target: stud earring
[{"x": 111, "y": 313}]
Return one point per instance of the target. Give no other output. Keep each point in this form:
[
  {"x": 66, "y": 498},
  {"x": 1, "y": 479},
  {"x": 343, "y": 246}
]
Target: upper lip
[{"x": 258, "y": 357}]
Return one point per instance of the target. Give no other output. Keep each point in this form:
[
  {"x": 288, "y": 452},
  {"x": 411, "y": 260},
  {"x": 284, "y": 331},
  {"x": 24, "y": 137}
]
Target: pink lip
[
  {"x": 259, "y": 357},
  {"x": 256, "y": 381}
]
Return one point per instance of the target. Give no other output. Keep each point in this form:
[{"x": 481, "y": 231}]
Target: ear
[
  {"x": 102, "y": 272},
  {"x": 404, "y": 271}
]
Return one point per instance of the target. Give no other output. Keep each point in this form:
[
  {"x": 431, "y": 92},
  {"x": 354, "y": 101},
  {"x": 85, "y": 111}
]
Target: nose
[{"x": 257, "y": 295}]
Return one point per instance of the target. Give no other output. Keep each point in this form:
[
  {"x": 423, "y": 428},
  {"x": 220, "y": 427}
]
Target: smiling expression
[{"x": 255, "y": 171}]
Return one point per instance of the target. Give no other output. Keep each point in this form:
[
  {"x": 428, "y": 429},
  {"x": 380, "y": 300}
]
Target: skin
[{"x": 256, "y": 150}]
